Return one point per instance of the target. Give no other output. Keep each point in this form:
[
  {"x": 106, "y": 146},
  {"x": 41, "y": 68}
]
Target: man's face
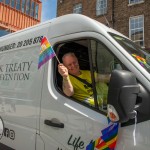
[{"x": 71, "y": 62}]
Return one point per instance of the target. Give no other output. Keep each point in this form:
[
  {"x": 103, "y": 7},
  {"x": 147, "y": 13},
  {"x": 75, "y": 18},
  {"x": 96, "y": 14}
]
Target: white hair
[{"x": 68, "y": 54}]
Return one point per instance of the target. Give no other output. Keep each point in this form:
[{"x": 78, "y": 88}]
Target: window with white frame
[
  {"x": 135, "y": 1},
  {"x": 101, "y": 7},
  {"x": 77, "y": 9},
  {"x": 137, "y": 30}
]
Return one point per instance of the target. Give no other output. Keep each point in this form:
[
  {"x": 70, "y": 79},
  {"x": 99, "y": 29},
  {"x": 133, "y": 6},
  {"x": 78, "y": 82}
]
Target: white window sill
[{"x": 135, "y": 3}]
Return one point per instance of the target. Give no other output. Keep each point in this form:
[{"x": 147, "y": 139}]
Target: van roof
[
  {"x": 68, "y": 24},
  {"x": 72, "y": 23}
]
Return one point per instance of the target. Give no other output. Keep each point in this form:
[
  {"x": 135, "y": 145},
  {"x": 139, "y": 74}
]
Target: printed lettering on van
[
  {"x": 19, "y": 44},
  {"x": 76, "y": 142},
  {"x": 9, "y": 133},
  {"x": 15, "y": 71}
]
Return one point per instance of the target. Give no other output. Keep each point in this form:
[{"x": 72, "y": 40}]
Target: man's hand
[
  {"x": 67, "y": 86},
  {"x": 63, "y": 70}
]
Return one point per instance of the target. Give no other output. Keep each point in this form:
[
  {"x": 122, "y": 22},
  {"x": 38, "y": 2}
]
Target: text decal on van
[
  {"x": 15, "y": 71},
  {"x": 9, "y": 133},
  {"x": 76, "y": 142},
  {"x": 27, "y": 42}
]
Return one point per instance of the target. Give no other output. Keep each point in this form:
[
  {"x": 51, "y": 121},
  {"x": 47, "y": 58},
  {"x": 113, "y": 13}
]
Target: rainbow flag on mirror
[{"x": 46, "y": 52}]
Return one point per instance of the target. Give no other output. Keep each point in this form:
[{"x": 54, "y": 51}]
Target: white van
[{"x": 36, "y": 115}]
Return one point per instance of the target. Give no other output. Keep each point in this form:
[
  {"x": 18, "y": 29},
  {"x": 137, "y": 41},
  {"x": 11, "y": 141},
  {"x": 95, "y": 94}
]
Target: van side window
[{"x": 96, "y": 64}]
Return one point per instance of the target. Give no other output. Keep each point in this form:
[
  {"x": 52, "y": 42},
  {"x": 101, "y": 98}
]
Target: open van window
[
  {"x": 95, "y": 57},
  {"x": 80, "y": 49},
  {"x": 134, "y": 50}
]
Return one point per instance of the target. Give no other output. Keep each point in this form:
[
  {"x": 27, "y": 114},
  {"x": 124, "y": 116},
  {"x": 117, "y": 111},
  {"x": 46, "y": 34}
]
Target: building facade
[
  {"x": 18, "y": 14},
  {"x": 130, "y": 17}
]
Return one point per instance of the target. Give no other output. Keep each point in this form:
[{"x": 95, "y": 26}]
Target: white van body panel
[
  {"x": 28, "y": 96},
  {"x": 127, "y": 139},
  {"x": 20, "y": 96}
]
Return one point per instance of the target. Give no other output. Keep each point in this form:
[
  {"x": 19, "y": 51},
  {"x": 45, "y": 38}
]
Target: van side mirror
[{"x": 122, "y": 94}]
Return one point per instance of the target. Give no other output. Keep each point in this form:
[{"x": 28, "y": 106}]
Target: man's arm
[{"x": 67, "y": 86}]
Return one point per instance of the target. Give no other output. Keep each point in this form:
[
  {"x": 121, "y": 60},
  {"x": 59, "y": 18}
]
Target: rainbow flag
[
  {"x": 141, "y": 60},
  {"x": 46, "y": 52},
  {"x": 108, "y": 139}
]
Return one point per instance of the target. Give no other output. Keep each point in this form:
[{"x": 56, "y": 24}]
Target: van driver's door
[{"x": 67, "y": 123}]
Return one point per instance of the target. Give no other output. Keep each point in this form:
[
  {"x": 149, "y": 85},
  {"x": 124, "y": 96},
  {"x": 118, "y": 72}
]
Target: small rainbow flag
[
  {"x": 108, "y": 139},
  {"x": 46, "y": 52},
  {"x": 141, "y": 60}
]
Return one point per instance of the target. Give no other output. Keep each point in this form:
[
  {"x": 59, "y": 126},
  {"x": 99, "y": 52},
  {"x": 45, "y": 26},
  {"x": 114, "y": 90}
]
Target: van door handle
[{"x": 54, "y": 123}]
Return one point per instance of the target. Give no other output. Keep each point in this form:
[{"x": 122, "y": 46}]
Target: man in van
[{"x": 77, "y": 83}]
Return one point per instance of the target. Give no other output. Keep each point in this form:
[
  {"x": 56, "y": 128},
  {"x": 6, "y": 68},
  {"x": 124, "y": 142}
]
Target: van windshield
[{"x": 142, "y": 57}]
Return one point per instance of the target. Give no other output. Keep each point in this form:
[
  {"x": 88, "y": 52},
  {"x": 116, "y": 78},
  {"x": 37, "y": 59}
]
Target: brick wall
[
  {"x": 88, "y": 9},
  {"x": 117, "y": 15},
  {"x": 123, "y": 11}
]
